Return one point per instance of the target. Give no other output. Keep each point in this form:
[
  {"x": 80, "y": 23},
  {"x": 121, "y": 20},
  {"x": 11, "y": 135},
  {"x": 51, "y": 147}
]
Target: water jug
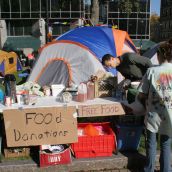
[
  {"x": 82, "y": 92},
  {"x": 90, "y": 90}
]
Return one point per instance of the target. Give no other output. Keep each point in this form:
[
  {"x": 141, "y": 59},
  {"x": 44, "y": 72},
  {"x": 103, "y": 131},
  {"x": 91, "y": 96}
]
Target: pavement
[{"x": 127, "y": 162}]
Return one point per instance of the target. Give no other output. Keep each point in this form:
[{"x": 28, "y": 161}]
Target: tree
[
  {"x": 124, "y": 5},
  {"x": 129, "y": 5},
  {"x": 155, "y": 27},
  {"x": 95, "y": 11}
]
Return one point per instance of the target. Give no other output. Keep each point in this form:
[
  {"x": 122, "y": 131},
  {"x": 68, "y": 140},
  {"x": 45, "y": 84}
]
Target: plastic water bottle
[{"x": 1, "y": 96}]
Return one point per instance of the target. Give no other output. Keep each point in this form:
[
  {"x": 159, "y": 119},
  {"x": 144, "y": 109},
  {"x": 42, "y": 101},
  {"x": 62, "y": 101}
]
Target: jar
[
  {"x": 47, "y": 91},
  {"x": 25, "y": 97}
]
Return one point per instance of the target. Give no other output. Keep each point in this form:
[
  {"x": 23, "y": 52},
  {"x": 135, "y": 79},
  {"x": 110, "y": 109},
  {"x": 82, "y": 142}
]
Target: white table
[
  {"x": 54, "y": 102},
  {"x": 48, "y": 113}
]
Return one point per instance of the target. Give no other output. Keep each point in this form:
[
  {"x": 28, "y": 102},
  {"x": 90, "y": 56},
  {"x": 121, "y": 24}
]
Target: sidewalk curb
[{"x": 130, "y": 162}]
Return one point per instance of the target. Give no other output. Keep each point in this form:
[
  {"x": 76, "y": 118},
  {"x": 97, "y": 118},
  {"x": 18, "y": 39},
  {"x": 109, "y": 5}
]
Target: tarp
[
  {"x": 9, "y": 62},
  {"x": 152, "y": 53}
]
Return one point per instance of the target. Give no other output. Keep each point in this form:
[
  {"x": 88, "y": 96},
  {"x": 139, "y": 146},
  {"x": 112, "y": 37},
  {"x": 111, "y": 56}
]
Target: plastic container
[
  {"x": 47, "y": 91},
  {"x": 135, "y": 84},
  {"x": 128, "y": 137},
  {"x": 1, "y": 96},
  {"x": 95, "y": 146},
  {"x": 82, "y": 93},
  {"x": 90, "y": 90},
  {"x": 57, "y": 89}
]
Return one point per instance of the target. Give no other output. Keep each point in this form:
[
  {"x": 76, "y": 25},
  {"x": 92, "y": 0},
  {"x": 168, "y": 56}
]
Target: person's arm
[
  {"x": 140, "y": 60},
  {"x": 144, "y": 88},
  {"x": 142, "y": 99}
]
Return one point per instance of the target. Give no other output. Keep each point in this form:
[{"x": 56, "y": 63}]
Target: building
[
  {"x": 136, "y": 23},
  {"x": 21, "y": 17},
  {"x": 166, "y": 19}
]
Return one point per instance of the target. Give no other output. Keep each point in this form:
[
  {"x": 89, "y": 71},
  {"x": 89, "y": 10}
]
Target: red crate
[
  {"x": 95, "y": 146},
  {"x": 48, "y": 159}
]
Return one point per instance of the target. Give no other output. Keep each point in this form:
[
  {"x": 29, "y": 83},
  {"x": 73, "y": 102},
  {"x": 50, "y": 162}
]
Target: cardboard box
[
  {"x": 48, "y": 159},
  {"x": 16, "y": 152},
  {"x": 38, "y": 126}
]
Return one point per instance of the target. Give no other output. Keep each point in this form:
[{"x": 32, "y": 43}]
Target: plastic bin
[
  {"x": 128, "y": 137},
  {"x": 129, "y": 120},
  {"x": 95, "y": 146}
]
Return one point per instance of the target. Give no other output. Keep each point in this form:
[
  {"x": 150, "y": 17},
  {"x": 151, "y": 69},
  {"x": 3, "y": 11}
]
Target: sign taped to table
[
  {"x": 100, "y": 110},
  {"x": 38, "y": 126}
]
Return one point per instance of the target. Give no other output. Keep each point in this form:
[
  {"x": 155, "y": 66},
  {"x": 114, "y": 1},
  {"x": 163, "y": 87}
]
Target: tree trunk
[{"x": 95, "y": 11}]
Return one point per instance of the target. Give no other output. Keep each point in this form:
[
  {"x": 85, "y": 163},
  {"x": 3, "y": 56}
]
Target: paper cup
[
  {"x": 19, "y": 99},
  {"x": 8, "y": 101}
]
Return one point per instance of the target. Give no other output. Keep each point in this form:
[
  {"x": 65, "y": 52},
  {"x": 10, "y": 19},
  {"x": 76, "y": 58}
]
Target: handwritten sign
[
  {"x": 100, "y": 110},
  {"x": 39, "y": 126}
]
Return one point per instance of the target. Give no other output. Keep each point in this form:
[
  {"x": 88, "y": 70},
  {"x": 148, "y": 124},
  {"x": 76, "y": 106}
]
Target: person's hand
[
  {"x": 126, "y": 84},
  {"x": 127, "y": 109}
]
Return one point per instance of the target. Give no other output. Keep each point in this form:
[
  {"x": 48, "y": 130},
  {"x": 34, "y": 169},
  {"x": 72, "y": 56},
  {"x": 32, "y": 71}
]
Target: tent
[
  {"x": 76, "y": 55},
  {"x": 9, "y": 62},
  {"x": 152, "y": 53}
]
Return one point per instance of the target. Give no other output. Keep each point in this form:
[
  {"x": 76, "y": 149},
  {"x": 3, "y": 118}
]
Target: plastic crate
[
  {"x": 95, "y": 146},
  {"x": 128, "y": 137}
]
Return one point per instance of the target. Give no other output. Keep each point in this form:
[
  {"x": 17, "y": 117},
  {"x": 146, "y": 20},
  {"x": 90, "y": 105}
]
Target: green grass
[
  {"x": 142, "y": 145},
  {"x": 142, "y": 148}
]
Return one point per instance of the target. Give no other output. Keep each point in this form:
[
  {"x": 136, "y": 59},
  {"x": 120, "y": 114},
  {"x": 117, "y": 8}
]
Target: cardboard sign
[
  {"x": 40, "y": 126},
  {"x": 100, "y": 110}
]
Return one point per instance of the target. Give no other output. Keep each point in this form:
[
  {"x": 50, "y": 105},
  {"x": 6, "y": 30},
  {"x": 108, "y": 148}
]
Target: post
[
  {"x": 47, "y": 21},
  {"x": 141, "y": 34},
  {"x": 107, "y": 12}
]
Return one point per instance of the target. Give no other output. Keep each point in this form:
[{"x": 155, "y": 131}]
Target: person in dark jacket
[{"x": 131, "y": 65}]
